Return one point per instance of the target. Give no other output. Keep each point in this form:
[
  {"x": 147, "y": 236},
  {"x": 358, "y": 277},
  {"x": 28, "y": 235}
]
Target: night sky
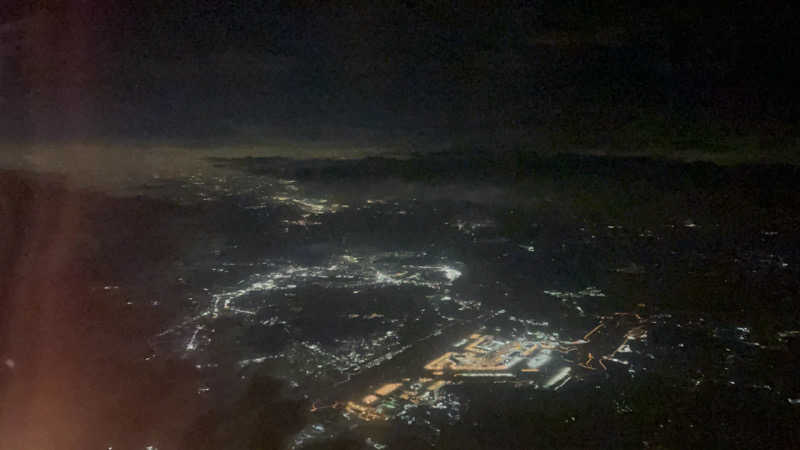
[{"x": 583, "y": 73}]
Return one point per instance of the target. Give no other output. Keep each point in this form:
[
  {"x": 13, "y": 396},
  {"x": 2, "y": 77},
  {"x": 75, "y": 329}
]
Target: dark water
[{"x": 229, "y": 308}]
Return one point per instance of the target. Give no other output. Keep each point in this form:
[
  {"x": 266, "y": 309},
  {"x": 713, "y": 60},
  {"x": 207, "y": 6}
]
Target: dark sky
[{"x": 214, "y": 69}]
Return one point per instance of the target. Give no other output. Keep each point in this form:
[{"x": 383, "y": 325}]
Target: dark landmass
[{"x": 708, "y": 246}]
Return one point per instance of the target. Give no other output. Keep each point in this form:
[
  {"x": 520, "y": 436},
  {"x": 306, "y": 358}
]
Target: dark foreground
[{"x": 222, "y": 309}]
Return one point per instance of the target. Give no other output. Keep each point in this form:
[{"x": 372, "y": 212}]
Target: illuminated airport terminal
[{"x": 546, "y": 363}]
